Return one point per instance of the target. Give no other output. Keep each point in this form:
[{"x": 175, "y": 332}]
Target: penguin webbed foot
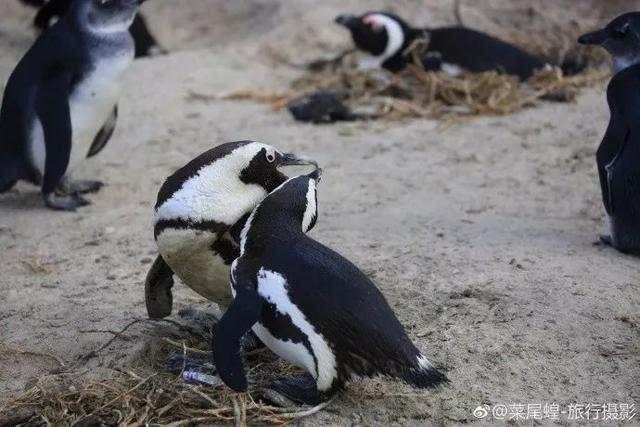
[
  {"x": 81, "y": 187},
  {"x": 294, "y": 390},
  {"x": 68, "y": 203}
]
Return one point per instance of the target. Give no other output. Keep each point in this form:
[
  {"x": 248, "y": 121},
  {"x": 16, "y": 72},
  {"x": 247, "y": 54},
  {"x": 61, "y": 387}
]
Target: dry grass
[
  {"x": 416, "y": 93},
  {"x": 147, "y": 395}
]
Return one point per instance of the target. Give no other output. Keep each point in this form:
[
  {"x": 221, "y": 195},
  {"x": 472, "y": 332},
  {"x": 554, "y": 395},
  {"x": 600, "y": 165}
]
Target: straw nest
[
  {"x": 416, "y": 93},
  {"x": 145, "y": 394}
]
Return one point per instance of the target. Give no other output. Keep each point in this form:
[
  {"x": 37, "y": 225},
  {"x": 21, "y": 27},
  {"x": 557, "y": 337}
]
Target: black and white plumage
[
  {"x": 385, "y": 37},
  {"x": 618, "y": 156},
  {"x": 199, "y": 214},
  {"x": 310, "y": 305},
  {"x": 48, "y": 10},
  {"x": 60, "y": 103}
]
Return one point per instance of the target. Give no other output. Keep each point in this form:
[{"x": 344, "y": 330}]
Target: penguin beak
[
  {"x": 594, "y": 38},
  {"x": 293, "y": 160},
  {"x": 316, "y": 174},
  {"x": 346, "y": 20}
]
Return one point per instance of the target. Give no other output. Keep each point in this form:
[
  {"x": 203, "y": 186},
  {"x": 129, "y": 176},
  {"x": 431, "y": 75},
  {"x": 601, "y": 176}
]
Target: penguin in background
[
  {"x": 384, "y": 38},
  {"x": 145, "y": 43},
  {"x": 311, "y": 306},
  {"x": 618, "y": 156},
  {"x": 60, "y": 103},
  {"x": 199, "y": 214}
]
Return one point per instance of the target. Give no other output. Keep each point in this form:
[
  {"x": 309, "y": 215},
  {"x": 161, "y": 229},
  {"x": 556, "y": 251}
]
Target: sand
[{"x": 481, "y": 236}]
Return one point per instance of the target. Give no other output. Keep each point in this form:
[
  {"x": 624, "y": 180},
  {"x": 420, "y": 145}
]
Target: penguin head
[
  {"x": 106, "y": 16},
  {"x": 621, "y": 38},
  {"x": 225, "y": 183},
  {"x": 377, "y": 33},
  {"x": 291, "y": 206}
]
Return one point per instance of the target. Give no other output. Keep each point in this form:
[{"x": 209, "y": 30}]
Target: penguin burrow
[{"x": 311, "y": 306}]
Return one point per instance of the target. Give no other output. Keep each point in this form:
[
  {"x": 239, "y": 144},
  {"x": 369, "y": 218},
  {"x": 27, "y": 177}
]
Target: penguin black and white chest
[
  {"x": 310, "y": 306},
  {"x": 196, "y": 213},
  {"x": 385, "y": 37},
  {"x": 618, "y": 156},
  {"x": 60, "y": 103}
]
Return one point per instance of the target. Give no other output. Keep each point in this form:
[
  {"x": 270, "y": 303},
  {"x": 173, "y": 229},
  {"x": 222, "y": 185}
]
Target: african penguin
[
  {"x": 145, "y": 43},
  {"x": 310, "y": 306},
  {"x": 618, "y": 156},
  {"x": 384, "y": 38},
  {"x": 60, "y": 104},
  {"x": 199, "y": 215}
]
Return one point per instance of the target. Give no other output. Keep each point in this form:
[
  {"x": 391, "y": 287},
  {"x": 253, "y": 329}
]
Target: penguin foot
[
  {"x": 82, "y": 187},
  {"x": 294, "y": 390},
  {"x": 65, "y": 203}
]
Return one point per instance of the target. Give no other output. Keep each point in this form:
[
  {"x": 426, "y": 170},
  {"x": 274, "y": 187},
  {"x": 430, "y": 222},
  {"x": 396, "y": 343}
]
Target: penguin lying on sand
[
  {"x": 385, "y": 37},
  {"x": 310, "y": 306},
  {"x": 618, "y": 156},
  {"x": 199, "y": 214},
  {"x": 59, "y": 106},
  {"x": 145, "y": 43}
]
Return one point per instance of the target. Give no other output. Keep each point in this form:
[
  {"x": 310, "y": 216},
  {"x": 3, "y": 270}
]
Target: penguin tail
[{"x": 422, "y": 374}]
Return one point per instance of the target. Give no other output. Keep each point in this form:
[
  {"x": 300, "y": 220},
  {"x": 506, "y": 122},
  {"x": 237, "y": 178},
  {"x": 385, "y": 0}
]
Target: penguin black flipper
[
  {"x": 105, "y": 134},
  {"x": 52, "y": 108},
  {"x": 157, "y": 289},
  {"x": 243, "y": 313}
]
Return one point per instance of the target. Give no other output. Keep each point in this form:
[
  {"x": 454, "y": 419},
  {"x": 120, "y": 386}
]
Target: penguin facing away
[
  {"x": 384, "y": 38},
  {"x": 618, "y": 156},
  {"x": 144, "y": 41},
  {"x": 310, "y": 306},
  {"x": 199, "y": 214},
  {"x": 60, "y": 103}
]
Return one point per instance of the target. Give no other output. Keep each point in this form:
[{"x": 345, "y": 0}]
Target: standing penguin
[
  {"x": 199, "y": 215},
  {"x": 385, "y": 37},
  {"x": 59, "y": 105},
  {"x": 310, "y": 306},
  {"x": 144, "y": 41},
  {"x": 618, "y": 156}
]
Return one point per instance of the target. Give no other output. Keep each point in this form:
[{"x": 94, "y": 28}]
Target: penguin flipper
[
  {"x": 157, "y": 289},
  {"x": 105, "y": 134},
  {"x": 243, "y": 313},
  {"x": 612, "y": 144},
  {"x": 54, "y": 113}
]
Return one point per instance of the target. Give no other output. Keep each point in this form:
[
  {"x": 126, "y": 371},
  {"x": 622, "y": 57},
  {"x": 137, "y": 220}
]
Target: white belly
[
  {"x": 295, "y": 353},
  {"x": 188, "y": 253}
]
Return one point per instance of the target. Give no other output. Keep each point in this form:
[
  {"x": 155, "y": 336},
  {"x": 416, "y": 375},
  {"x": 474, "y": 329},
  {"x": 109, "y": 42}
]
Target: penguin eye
[
  {"x": 271, "y": 157},
  {"x": 621, "y": 32}
]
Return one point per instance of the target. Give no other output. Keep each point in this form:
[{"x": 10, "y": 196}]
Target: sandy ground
[{"x": 481, "y": 236}]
